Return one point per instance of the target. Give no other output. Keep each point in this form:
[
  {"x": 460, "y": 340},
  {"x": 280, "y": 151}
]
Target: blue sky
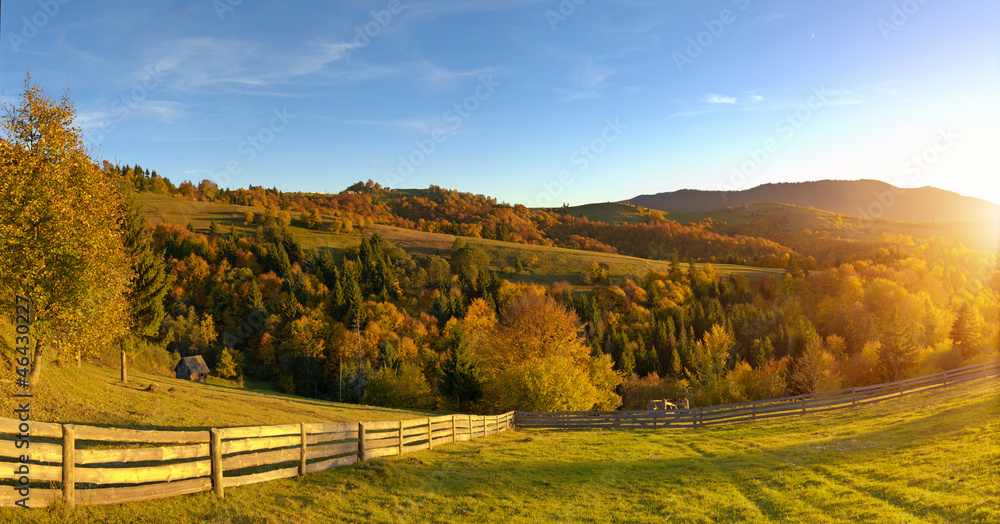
[{"x": 533, "y": 102}]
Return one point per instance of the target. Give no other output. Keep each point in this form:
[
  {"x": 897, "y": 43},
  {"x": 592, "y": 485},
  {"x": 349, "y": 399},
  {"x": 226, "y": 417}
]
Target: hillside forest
[{"x": 373, "y": 323}]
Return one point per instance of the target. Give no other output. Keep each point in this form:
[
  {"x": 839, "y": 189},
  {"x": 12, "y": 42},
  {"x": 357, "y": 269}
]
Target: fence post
[
  {"x": 400, "y": 439},
  {"x": 361, "y": 441},
  {"x": 945, "y": 381},
  {"x": 430, "y": 435},
  {"x": 216, "y": 450},
  {"x": 454, "y": 435},
  {"x": 753, "y": 411},
  {"x": 618, "y": 419},
  {"x": 471, "y": 434},
  {"x": 701, "y": 416},
  {"x": 854, "y": 397},
  {"x": 69, "y": 465},
  {"x": 302, "y": 454},
  {"x": 803, "y": 401}
]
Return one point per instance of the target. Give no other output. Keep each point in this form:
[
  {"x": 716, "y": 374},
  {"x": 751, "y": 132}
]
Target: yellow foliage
[
  {"x": 60, "y": 243},
  {"x": 535, "y": 359}
]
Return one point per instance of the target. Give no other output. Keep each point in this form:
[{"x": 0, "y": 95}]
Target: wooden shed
[{"x": 192, "y": 368}]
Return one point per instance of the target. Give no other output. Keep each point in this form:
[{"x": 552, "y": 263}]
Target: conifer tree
[
  {"x": 355, "y": 301},
  {"x": 460, "y": 380},
  {"x": 150, "y": 280},
  {"x": 255, "y": 301},
  {"x": 967, "y": 330}
]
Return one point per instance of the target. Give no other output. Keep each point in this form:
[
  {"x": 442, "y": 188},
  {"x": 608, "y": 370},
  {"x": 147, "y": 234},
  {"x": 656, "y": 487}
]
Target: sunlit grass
[
  {"x": 95, "y": 395},
  {"x": 931, "y": 457}
]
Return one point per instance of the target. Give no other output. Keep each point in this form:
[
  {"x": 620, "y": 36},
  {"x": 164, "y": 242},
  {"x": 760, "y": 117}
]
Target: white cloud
[{"x": 718, "y": 99}]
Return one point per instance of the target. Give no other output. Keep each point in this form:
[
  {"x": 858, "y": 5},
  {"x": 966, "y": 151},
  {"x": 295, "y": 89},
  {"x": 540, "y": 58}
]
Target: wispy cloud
[
  {"x": 765, "y": 18},
  {"x": 593, "y": 81},
  {"x": 683, "y": 114},
  {"x": 718, "y": 99}
]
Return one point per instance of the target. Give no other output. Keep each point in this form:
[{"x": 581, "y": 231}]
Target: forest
[{"x": 382, "y": 326}]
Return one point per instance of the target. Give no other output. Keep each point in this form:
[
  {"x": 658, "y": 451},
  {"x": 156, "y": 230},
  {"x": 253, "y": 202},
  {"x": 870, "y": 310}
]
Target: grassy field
[
  {"x": 554, "y": 264},
  {"x": 94, "y": 395},
  {"x": 931, "y": 457},
  {"x": 614, "y": 212}
]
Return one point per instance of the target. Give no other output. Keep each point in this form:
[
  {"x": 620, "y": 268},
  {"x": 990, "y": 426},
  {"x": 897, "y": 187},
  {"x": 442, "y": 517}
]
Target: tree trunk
[
  {"x": 124, "y": 369},
  {"x": 36, "y": 362}
]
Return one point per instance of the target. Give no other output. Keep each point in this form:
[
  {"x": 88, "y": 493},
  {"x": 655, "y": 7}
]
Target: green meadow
[{"x": 930, "y": 457}]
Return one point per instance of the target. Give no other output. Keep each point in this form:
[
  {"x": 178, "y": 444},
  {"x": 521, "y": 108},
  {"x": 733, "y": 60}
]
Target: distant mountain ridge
[{"x": 865, "y": 198}]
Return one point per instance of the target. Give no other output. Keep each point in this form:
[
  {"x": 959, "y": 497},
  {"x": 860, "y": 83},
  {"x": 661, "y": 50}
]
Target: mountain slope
[{"x": 866, "y": 198}]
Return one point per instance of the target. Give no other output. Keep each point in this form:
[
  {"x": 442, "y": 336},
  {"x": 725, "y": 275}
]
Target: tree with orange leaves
[
  {"x": 535, "y": 358},
  {"x": 60, "y": 242}
]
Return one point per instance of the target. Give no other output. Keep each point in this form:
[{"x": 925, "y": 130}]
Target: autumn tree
[
  {"x": 60, "y": 244},
  {"x": 709, "y": 362},
  {"x": 536, "y": 360},
  {"x": 815, "y": 370}
]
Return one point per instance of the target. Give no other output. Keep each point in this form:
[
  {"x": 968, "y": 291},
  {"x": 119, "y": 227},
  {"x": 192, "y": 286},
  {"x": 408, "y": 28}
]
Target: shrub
[{"x": 400, "y": 388}]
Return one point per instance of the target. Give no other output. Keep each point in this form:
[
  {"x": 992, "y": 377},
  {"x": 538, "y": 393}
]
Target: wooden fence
[
  {"x": 95, "y": 465},
  {"x": 757, "y": 410}
]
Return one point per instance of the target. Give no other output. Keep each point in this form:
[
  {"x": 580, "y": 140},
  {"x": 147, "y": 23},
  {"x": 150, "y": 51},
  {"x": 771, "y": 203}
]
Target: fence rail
[
  {"x": 757, "y": 410},
  {"x": 95, "y": 466}
]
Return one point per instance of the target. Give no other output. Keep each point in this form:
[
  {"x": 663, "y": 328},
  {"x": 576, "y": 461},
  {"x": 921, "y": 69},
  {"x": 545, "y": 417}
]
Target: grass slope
[
  {"x": 614, "y": 212},
  {"x": 927, "y": 458},
  {"x": 555, "y": 264},
  {"x": 94, "y": 395}
]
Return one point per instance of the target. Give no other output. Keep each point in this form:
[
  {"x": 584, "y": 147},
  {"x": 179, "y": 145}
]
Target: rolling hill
[
  {"x": 982, "y": 235},
  {"x": 865, "y": 198},
  {"x": 553, "y": 264}
]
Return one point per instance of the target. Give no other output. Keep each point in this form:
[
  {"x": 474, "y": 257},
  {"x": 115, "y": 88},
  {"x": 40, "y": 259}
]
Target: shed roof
[{"x": 195, "y": 364}]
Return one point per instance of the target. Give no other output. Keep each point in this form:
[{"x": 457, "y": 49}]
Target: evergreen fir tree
[
  {"x": 150, "y": 281},
  {"x": 355, "y": 301},
  {"x": 460, "y": 380},
  {"x": 255, "y": 301},
  {"x": 282, "y": 264}
]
